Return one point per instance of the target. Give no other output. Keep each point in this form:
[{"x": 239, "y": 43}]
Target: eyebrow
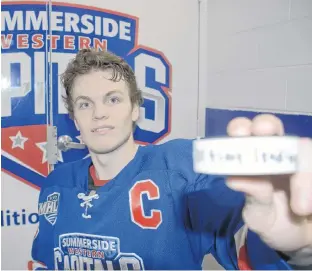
[{"x": 106, "y": 95}]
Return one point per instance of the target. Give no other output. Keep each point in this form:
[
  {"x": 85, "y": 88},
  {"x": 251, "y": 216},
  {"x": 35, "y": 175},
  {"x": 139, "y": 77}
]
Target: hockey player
[{"x": 134, "y": 207}]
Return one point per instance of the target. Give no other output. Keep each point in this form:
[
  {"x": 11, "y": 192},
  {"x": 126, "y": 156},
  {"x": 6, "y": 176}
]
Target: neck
[{"x": 108, "y": 165}]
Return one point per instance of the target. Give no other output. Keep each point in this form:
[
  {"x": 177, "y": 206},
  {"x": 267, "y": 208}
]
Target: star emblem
[
  {"x": 18, "y": 141},
  {"x": 43, "y": 146}
]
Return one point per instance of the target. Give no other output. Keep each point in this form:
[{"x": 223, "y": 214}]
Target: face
[{"x": 102, "y": 111}]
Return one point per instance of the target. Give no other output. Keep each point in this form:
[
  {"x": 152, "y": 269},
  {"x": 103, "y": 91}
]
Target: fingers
[
  {"x": 259, "y": 189},
  {"x": 301, "y": 183},
  {"x": 266, "y": 124},
  {"x": 261, "y": 125},
  {"x": 239, "y": 127}
]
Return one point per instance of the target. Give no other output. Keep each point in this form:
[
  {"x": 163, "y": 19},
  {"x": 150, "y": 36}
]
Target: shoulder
[
  {"x": 175, "y": 145},
  {"x": 173, "y": 149},
  {"x": 66, "y": 174},
  {"x": 174, "y": 155}
]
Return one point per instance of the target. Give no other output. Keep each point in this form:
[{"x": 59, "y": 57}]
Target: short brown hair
[{"x": 88, "y": 60}]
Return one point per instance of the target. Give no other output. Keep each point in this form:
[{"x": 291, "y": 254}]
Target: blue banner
[{"x": 218, "y": 119}]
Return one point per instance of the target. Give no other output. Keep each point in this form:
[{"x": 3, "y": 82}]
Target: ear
[{"x": 135, "y": 113}]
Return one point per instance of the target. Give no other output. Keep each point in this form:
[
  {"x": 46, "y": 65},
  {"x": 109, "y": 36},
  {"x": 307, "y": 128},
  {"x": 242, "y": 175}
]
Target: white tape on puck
[{"x": 268, "y": 155}]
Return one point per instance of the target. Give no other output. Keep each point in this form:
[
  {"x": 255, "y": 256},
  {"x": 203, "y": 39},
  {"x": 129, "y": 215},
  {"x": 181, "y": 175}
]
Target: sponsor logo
[{"x": 37, "y": 44}]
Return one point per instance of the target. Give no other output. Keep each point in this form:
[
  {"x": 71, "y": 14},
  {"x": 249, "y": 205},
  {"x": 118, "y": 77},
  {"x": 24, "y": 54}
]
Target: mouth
[{"x": 102, "y": 130}]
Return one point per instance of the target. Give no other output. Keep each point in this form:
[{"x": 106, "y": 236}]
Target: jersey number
[{"x": 138, "y": 215}]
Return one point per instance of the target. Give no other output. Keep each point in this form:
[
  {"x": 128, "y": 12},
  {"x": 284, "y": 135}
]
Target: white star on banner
[
  {"x": 18, "y": 141},
  {"x": 43, "y": 146}
]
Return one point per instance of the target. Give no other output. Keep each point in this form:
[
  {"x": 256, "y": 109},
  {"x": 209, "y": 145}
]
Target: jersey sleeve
[
  {"x": 215, "y": 210},
  {"x": 215, "y": 220}
]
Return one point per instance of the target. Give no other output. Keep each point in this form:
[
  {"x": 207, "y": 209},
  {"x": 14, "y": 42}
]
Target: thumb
[
  {"x": 259, "y": 188},
  {"x": 258, "y": 212}
]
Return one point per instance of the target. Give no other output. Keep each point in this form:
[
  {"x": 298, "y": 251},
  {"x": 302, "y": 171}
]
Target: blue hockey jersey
[{"x": 157, "y": 213}]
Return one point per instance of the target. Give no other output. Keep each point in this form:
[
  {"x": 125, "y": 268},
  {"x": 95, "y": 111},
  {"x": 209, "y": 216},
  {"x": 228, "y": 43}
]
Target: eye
[
  {"x": 84, "y": 105},
  {"x": 114, "y": 100}
]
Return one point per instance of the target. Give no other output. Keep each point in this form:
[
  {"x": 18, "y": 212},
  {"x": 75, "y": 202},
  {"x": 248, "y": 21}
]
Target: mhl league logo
[
  {"x": 37, "y": 44},
  {"x": 49, "y": 207}
]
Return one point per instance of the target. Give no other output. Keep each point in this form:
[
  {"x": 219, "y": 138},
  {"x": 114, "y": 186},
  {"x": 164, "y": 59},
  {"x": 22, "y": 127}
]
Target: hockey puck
[{"x": 231, "y": 156}]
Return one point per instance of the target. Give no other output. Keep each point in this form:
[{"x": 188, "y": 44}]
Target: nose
[{"x": 100, "y": 112}]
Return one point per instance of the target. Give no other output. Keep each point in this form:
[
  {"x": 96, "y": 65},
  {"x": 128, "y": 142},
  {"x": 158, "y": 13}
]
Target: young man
[{"x": 133, "y": 207}]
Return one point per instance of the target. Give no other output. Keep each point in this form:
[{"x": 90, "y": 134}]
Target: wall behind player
[{"x": 259, "y": 57}]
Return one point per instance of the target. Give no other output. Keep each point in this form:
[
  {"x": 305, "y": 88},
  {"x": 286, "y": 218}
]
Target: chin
[
  {"x": 109, "y": 147},
  {"x": 103, "y": 149}
]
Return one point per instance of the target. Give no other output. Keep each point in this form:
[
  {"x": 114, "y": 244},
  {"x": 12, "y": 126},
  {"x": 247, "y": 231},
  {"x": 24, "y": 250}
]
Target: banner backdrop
[
  {"x": 37, "y": 41},
  {"x": 217, "y": 120}
]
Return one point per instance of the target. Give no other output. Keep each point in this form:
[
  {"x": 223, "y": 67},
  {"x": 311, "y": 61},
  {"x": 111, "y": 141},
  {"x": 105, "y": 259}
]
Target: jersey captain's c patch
[{"x": 49, "y": 207}]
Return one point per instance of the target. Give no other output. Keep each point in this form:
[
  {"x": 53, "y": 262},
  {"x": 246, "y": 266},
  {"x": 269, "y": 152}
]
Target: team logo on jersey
[
  {"x": 86, "y": 204},
  {"x": 49, "y": 207},
  {"x": 77, "y": 251},
  {"x": 33, "y": 57}
]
